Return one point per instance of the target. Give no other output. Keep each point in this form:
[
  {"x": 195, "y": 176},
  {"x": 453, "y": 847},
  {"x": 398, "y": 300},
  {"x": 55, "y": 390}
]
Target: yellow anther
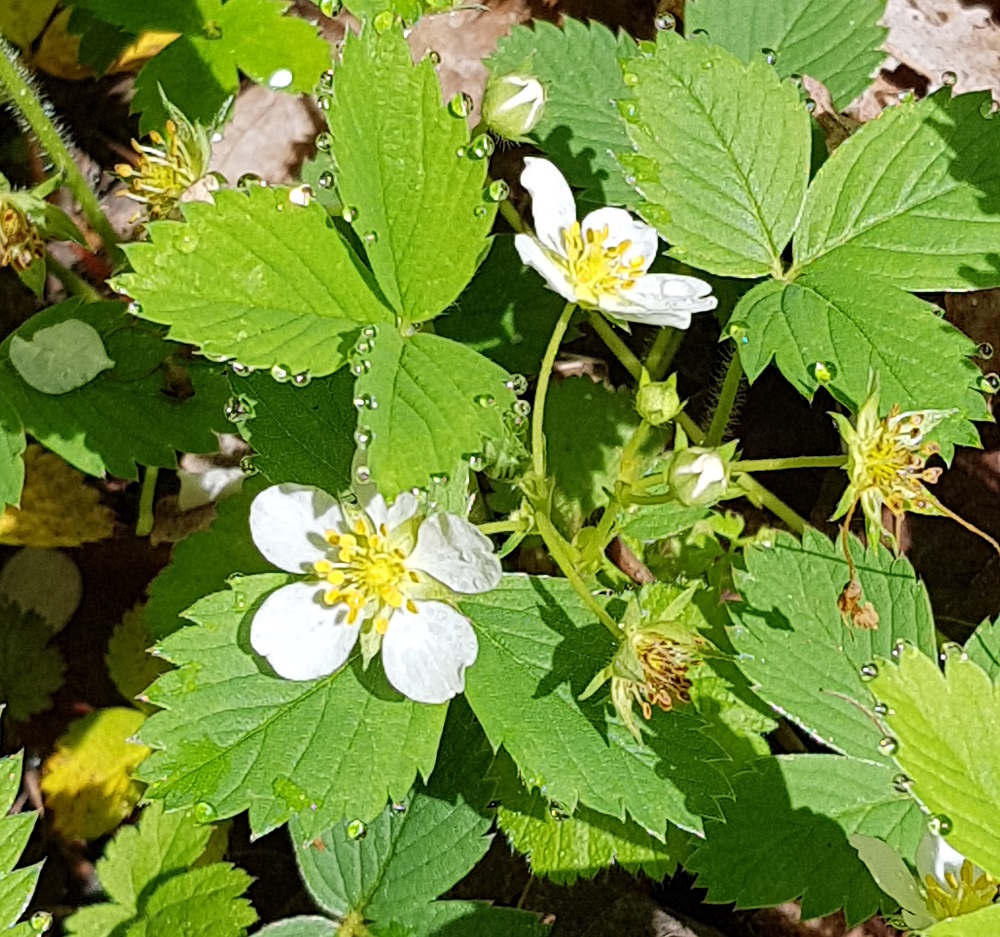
[
  {"x": 381, "y": 625},
  {"x": 360, "y": 527},
  {"x": 336, "y": 577},
  {"x": 392, "y": 597},
  {"x": 596, "y": 268},
  {"x": 322, "y": 566},
  {"x": 411, "y": 607}
]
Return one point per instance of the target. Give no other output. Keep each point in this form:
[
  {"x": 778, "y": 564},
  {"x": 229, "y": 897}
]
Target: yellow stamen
[{"x": 597, "y": 269}]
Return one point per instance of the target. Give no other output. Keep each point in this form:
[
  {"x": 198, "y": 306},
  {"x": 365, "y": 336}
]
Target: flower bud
[
  {"x": 658, "y": 402},
  {"x": 513, "y": 105},
  {"x": 698, "y": 476}
]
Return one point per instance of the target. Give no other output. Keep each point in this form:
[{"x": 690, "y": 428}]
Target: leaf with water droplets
[
  {"x": 838, "y": 43},
  {"x": 395, "y": 144},
  {"x": 942, "y": 723}
]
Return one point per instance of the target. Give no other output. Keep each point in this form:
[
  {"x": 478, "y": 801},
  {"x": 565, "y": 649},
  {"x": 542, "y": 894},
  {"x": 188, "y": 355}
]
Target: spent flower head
[
  {"x": 602, "y": 262},
  {"x": 384, "y": 574}
]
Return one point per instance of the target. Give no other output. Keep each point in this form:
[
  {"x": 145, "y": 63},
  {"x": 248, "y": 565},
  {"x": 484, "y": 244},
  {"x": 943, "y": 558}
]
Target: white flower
[
  {"x": 382, "y": 572},
  {"x": 601, "y": 263},
  {"x": 699, "y": 476}
]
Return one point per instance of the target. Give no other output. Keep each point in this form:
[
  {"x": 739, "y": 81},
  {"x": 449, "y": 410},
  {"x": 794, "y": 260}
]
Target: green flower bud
[
  {"x": 513, "y": 105},
  {"x": 658, "y": 402},
  {"x": 699, "y": 476}
]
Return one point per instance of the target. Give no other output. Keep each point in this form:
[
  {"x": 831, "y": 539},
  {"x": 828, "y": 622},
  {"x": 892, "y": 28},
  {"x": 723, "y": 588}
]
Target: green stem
[
  {"x": 727, "y": 399},
  {"x": 509, "y": 212},
  {"x": 793, "y": 462},
  {"x": 73, "y": 284},
  {"x": 144, "y": 523},
  {"x": 760, "y": 495},
  {"x": 693, "y": 430},
  {"x": 500, "y": 527},
  {"x": 21, "y": 94},
  {"x": 544, "y": 377},
  {"x": 662, "y": 353},
  {"x": 617, "y": 347}
]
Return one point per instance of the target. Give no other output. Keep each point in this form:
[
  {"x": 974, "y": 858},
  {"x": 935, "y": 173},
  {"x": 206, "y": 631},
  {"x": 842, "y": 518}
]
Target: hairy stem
[
  {"x": 544, "y": 378},
  {"x": 727, "y": 399},
  {"x": 792, "y": 462},
  {"x": 661, "y": 355},
  {"x": 615, "y": 345}
]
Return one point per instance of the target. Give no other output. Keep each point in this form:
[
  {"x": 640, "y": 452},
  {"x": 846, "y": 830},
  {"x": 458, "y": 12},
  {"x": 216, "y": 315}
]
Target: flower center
[
  {"x": 960, "y": 894},
  {"x": 366, "y": 574},
  {"x": 665, "y": 665},
  {"x": 164, "y": 172},
  {"x": 896, "y": 466},
  {"x": 596, "y": 269},
  {"x": 20, "y": 242}
]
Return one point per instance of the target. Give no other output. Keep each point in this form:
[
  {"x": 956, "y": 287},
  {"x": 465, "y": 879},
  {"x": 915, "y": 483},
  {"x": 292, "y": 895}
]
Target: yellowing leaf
[
  {"x": 87, "y": 783},
  {"x": 129, "y": 665},
  {"x": 57, "y": 508}
]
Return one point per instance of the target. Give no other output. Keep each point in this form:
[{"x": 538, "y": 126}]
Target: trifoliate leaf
[
  {"x": 232, "y": 736},
  {"x": 506, "y": 313},
  {"x": 131, "y": 667},
  {"x": 425, "y": 404},
  {"x": 47, "y": 582},
  {"x": 12, "y": 445},
  {"x": 301, "y": 927},
  {"x": 202, "y": 562},
  {"x": 145, "y": 874},
  {"x": 412, "y": 180},
  {"x": 908, "y": 196},
  {"x": 539, "y": 648},
  {"x": 57, "y": 508},
  {"x": 938, "y": 730},
  {"x": 983, "y": 647},
  {"x": 87, "y": 782},
  {"x": 201, "y": 67},
  {"x": 257, "y": 278},
  {"x": 60, "y": 358},
  {"x": 150, "y": 404},
  {"x": 785, "y": 835},
  {"x": 795, "y": 647},
  {"x": 839, "y": 44},
  {"x": 301, "y": 434},
  {"x": 722, "y": 157},
  {"x": 30, "y": 671},
  {"x": 580, "y": 128},
  {"x": 830, "y": 328}
]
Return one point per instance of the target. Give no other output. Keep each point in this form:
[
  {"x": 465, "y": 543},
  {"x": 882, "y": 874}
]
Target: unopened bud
[
  {"x": 658, "y": 402},
  {"x": 513, "y": 105},
  {"x": 698, "y": 476}
]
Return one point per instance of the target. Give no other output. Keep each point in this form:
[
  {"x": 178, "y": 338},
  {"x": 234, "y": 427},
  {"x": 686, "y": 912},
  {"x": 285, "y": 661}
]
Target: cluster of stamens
[
  {"x": 895, "y": 460},
  {"x": 665, "y": 664},
  {"x": 960, "y": 894},
  {"x": 598, "y": 270},
  {"x": 163, "y": 172},
  {"x": 366, "y": 574},
  {"x": 20, "y": 242}
]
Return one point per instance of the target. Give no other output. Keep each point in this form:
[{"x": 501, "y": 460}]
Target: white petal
[
  {"x": 935, "y": 857},
  {"x": 198, "y": 488},
  {"x": 425, "y": 654},
  {"x": 287, "y": 523},
  {"x": 301, "y": 637},
  {"x": 46, "y": 582},
  {"x": 552, "y": 204},
  {"x": 454, "y": 552},
  {"x": 662, "y": 299},
  {"x": 533, "y": 254},
  {"x": 623, "y": 227}
]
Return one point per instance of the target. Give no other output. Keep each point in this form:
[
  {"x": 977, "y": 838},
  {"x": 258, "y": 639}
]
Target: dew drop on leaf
[
  {"x": 204, "y": 812},
  {"x": 869, "y": 671},
  {"x": 280, "y": 78},
  {"x": 330, "y": 7},
  {"x": 485, "y": 400},
  {"x": 349, "y": 214},
  {"x": 902, "y": 784},
  {"x": 250, "y": 180},
  {"x": 480, "y": 211},
  {"x": 824, "y": 371},
  {"x": 364, "y": 436},
  {"x": 460, "y": 105},
  {"x": 247, "y": 466},
  {"x": 399, "y": 808},
  {"x": 770, "y": 56},
  {"x": 281, "y": 374},
  {"x": 665, "y": 22},
  {"x": 476, "y": 461},
  {"x": 363, "y": 474},
  {"x": 371, "y": 237},
  {"x": 482, "y": 146},
  {"x": 324, "y": 142},
  {"x": 302, "y": 379},
  {"x": 880, "y": 709},
  {"x": 434, "y": 56},
  {"x": 240, "y": 369},
  {"x": 517, "y": 384},
  {"x": 949, "y": 78},
  {"x": 888, "y": 745},
  {"x": 41, "y": 921},
  {"x": 356, "y": 829},
  {"x": 498, "y": 190},
  {"x": 985, "y": 351},
  {"x": 989, "y": 383},
  {"x": 370, "y": 332},
  {"x": 325, "y": 180},
  {"x": 940, "y": 824}
]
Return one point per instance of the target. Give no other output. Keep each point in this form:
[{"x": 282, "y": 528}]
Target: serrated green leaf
[
  {"x": 983, "y": 647},
  {"x": 420, "y": 207},
  {"x": 506, "y": 313},
  {"x": 461, "y": 918},
  {"x": 428, "y": 403},
  {"x": 301, "y": 434},
  {"x": 795, "y": 648},
  {"x": 722, "y": 155},
  {"x": 12, "y": 446},
  {"x": 539, "y": 648},
  {"x": 982, "y": 923},
  {"x": 831, "y": 328},
  {"x": 839, "y": 44},
  {"x": 204, "y": 902},
  {"x": 10, "y": 780},
  {"x": 60, "y": 357},
  {"x": 785, "y": 835},
  {"x": 940, "y": 723},
  {"x": 301, "y": 927},
  {"x": 658, "y": 521},
  {"x": 14, "y": 833},
  {"x": 257, "y": 278},
  {"x": 908, "y": 195},
  {"x": 581, "y": 127},
  {"x": 232, "y": 736},
  {"x": 203, "y": 561},
  {"x": 201, "y": 69},
  {"x": 16, "y": 889},
  {"x": 140, "y": 411},
  {"x": 30, "y": 671}
]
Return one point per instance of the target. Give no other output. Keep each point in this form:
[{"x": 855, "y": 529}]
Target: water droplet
[
  {"x": 434, "y": 56},
  {"x": 460, "y": 105},
  {"x": 498, "y": 190},
  {"x": 365, "y": 402},
  {"x": 476, "y": 461},
  {"x": 187, "y": 244},
  {"x": 204, "y": 812},
  {"x": 302, "y": 379},
  {"x": 485, "y": 400},
  {"x": 480, "y": 211},
  {"x": 517, "y": 384},
  {"x": 940, "y": 824},
  {"x": 521, "y": 407},
  {"x": 869, "y": 671},
  {"x": 134, "y": 309},
  {"x": 326, "y": 81},
  {"x": 902, "y": 783},
  {"x": 897, "y": 650},
  {"x": 707, "y": 65},
  {"x": 439, "y": 478},
  {"x": 281, "y": 374},
  {"x": 824, "y": 371},
  {"x": 250, "y": 180},
  {"x": 631, "y": 79},
  {"x": 41, "y": 921},
  {"x": 370, "y": 331},
  {"x": 363, "y": 347},
  {"x": 888, "y": 745},
  {"x": 370, "y": 237},
  {"x": 557, "y": 812},
  {"x": 665, "y": 21},
  {"x": 770, "y": 56},
  {"x": 349, "y": 214},
  {"x": 364, "y": 436},
  {"x": 985, "y": 351},
  {"x": 300, "y": 195},
  {"x": 281, "y": 78},
  {"x": 810, "y": 105},
  {"x": 383, "y": 21},
  {"x": 324, "y": 102},
  {"x": 330, "y": 7},
  {"x": 324, "y": 142},
  {"x": 239, "y": 601},
  {"x": 949, "y": 78},
  {"x": 482, "y": 146},
  {"x": 356, "y": 829},
  {"x": 212, "y": 30},
  {"x": 796, "y": 80},
  {"x": 460, "y": 152},
  {"x": 237, "y": 410},
  {"x": 247, "y": 466},
  {"x": 881, "y": 709},
  {"x": 989, "y": 108},
  {"x": 325, "y": 180},
  {"x": 737, "y": 331},
  {"x": 907, "y": 96},
  {"x": 989, "y": 383},
  {"x": 240, "y": 369},
  {"x": 362, "y": 474},
  {"x": 399, "y": 808}
]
